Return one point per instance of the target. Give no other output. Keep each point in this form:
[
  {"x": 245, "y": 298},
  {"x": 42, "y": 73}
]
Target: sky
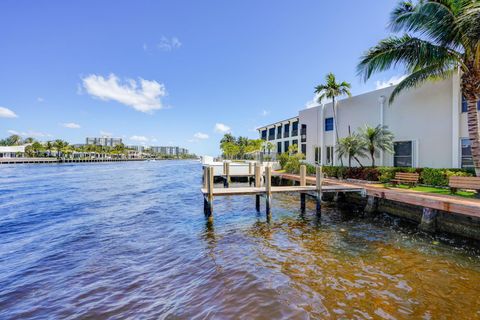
[{"x": 176, "y": 72}]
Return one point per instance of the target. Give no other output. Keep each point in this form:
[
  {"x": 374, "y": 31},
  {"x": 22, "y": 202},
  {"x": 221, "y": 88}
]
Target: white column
[{"x": 456, "y": 111}]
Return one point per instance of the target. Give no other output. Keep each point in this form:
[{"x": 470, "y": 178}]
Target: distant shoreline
[{"x": 4, "y": 161}]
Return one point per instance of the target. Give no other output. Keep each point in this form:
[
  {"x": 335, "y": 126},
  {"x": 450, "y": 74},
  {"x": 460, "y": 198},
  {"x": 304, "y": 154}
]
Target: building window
[
  {"x": 287, "y": 144},
  {"x": 329, "y": 155},
  {"x": 279, "y": 132},
  {"x": 295, "y": 129},
  {"x": 318, "y": 154},
  {"x": 467, "y": 159},
  {"x": 271, "y": 134},
  {"x": 264, "y": 134},
  {"x": 279, "y": 147},
  {"x": 286, "y": 131},
  {"x": 328, "y": 124},
  {"x": 304, "y": 149},
  {"x": 303, "y": 133},
  {"x": 403, "y": 156}
]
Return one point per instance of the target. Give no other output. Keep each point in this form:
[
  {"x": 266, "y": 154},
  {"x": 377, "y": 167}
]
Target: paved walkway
[{"x": 453, "y": 204}]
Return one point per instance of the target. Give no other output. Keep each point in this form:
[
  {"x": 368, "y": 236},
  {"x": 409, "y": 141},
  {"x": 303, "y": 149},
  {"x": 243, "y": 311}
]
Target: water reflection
[{"x": 129, "y": 240}]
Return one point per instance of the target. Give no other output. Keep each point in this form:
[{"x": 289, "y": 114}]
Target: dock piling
[
  {"x": 268, "y": 190},
  {"x": 257, "y": 184},
  {"x": 209, "y": 200},
  {"x": 303, "y": 182},
  {"x": 318, "y": 184}
]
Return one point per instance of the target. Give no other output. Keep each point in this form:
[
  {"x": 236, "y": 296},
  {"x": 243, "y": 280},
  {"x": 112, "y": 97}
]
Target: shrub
[
  {"x": 293, "y": 165},
  {"x": 283, "y": 159}
]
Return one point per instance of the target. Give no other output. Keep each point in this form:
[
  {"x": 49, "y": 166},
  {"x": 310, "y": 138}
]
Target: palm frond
[
  {"x": 411, "y": 52},
  {"x": 420, "y": 76}
]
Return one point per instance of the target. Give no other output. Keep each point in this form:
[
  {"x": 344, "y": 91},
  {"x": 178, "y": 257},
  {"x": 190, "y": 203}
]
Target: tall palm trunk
[
  {"x": 336, "y": 125},
  {"x": 372, "y": 155},
  {"x": 470, "y": 91}
]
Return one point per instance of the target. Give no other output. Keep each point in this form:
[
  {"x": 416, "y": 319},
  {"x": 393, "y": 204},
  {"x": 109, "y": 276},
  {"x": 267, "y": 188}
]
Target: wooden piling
[
  {"x": 205, "y": 177},
  {"x": 268, "y": 190},
  {"x": 210, "y": 186},
  {"x": 227, "y": 174},
  {"x": 257, "y": 184},
  {"x": 303, "y": 182},
  {"x": 318, "y": 185}
]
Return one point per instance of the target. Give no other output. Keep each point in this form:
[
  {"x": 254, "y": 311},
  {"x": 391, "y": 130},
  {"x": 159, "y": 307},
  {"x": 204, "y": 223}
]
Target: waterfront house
[
  {"x": 12, "y": 151},
  {"x": 429, "y": 124}
]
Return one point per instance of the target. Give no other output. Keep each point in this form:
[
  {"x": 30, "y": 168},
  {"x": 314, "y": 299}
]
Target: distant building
[
  {"x": 137, "y": 148},
  {"x": 104, "y": 141},
  {"x": 170, "y": 151},
  {"x": 12, "y": 151}
]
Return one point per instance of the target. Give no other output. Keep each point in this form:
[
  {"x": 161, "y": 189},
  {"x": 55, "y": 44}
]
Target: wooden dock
[
  {"x": 209, "y": 191},
  {"x": 446, "y": 203}
]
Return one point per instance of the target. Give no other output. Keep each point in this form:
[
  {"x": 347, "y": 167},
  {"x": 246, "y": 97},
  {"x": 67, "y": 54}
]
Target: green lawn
[{"x": 466, "y": 194}]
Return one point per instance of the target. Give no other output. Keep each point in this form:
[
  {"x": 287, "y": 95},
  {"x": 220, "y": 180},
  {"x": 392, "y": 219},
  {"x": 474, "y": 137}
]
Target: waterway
[{"x": 129, "y": 240}]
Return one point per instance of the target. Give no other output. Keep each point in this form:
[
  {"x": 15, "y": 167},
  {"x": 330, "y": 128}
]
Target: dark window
[
  {"x": 330, "y": 155},
  {"x": 271, "y": 134},
  {"x": 303, "y": 133},
  {"x": 328, "y": 124},
  {"x": 403, "y": 156},
  {"x": 304, "y": 149},
  {"x": 286, "y": 130},
  {"x": 467, "y": 160},
  {"x": 279, "y": 132},
  {"x": 295, "y": 142},
  {"x": 295, "y": 129},
  {"x": 279, "y": 147},
  {"x": 318, "y": 154},
  {"x": 287, "y": 144},
  {"x": 264, "y": 134}
]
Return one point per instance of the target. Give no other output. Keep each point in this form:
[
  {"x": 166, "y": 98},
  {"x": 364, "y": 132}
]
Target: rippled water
[{"x": 129, "y": 240}]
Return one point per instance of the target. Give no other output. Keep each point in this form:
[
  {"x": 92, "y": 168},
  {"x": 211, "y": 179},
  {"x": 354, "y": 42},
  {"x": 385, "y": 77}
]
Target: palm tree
[
  {"x": 441, "y": 36},
  {"x": 29, "y": 140},
  {"x": 292, "y": 149},
  {"x": 269, "y": 146},
  {"x": 37, "y": 147},
  {"x": 58, "y": 145},
  {"x": 352, "y": 146},
  {"x": 14, "y": 140},
  {"x": 377, "y": 138},
  {"x": 49, "y": 146},
  {"x": 227, "y": 138},
  {"x": 331, "y": 89}
]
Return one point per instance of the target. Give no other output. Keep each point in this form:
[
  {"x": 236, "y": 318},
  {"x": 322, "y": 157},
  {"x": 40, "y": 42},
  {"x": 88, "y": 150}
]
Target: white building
[
  {"x": 172, "y": 151},
  {"x": 281, "y": 134},
  {"x": 12, "y": 151},
  {"x": 104, "y": 141},
  {"x": 429, "y": 124}
]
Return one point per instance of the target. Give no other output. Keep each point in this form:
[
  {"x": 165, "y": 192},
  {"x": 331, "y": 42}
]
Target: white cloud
[
  {"x": 144, "y": 96},
  {"x": 169, "y": 44},
  {"x": 390, "y": 82},
  {"x": 40, "y": 99},
  {"x": 71, "y": 125},
  {"x": 200, "y": 135},
  {"x": 7, "y": 113},
  {"x": 265, "y": 113},
  {"x": 221, "y": 128},
  {"x": 105, "y": 133},
  {"x": 314, "y": 102},
  {"x": 139, "y": 138},
  {"x": 30, "y": 133}
]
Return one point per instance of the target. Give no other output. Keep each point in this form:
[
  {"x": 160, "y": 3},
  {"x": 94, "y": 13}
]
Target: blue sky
[{"x": 175, "y": 72}]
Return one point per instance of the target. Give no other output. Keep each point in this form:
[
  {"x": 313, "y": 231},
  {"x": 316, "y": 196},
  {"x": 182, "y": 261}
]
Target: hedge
[{"x": 428, "y": 176}]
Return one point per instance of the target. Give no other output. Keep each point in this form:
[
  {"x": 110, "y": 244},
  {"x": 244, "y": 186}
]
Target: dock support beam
[
  {"x": 303, "y": 182},
  {"x": 318, "y": 184},
  {"x": 268, "y": 189},
  {"x": 257, "y": 185},
  {"x": 429, "y": 220},
  {"x": 226, "y": 173},
  {"x": 208, "y": 203},
  {"x": 372, "y": 205},
  {"x": 250, "y": 173}
]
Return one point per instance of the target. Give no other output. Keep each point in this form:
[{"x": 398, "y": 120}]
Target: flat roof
[{"x": 271, "y": 124}]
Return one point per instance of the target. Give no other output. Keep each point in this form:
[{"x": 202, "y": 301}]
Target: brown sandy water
[{"x": 129, "y": 240}]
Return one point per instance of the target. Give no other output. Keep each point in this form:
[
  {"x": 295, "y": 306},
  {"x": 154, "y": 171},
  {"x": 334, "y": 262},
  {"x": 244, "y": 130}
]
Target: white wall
[{"x": 425, "y": 115}]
